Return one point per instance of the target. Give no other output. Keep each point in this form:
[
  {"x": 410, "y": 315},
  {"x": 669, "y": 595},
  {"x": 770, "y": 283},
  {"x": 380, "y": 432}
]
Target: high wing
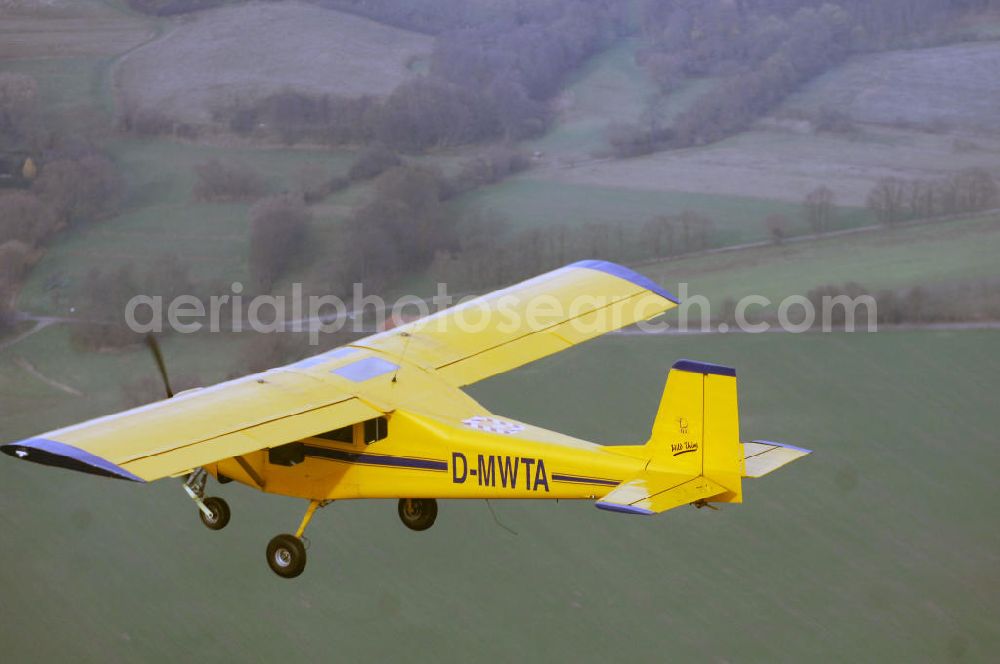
[
  {"x": 523, "y": 323},
  {"x": 199, "y": 427},
  {"x": 528, "y": 321}
]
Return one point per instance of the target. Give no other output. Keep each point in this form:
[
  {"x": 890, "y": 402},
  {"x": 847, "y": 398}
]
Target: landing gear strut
[
  {"x": 214, "y": 512},
  {"x": 418, "y": 513},
  {"x": 286, "y": 554}
]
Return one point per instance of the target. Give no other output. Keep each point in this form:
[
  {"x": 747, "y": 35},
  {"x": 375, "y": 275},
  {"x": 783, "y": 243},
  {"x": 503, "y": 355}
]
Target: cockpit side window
[
  {"x": 341, "y": 435},
  {"x": 376, "y": 429}
]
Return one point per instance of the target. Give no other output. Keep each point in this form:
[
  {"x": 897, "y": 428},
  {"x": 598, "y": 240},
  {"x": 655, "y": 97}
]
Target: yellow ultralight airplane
[{"x": 384, "y": 417}]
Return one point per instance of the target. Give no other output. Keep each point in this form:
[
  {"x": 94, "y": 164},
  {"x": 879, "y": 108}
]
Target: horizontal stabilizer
[
  {"x": 649, "y": 494},
  {"x": 762, "y": 456}
]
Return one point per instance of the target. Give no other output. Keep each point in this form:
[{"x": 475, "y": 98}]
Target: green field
[
  {"x": 929, "y": 254},
  {"x": 881, "y": 546},
  {"x": 609, "y": 88},
  {"x": 529, "y": 202},
  {"x": 65, "y": 86},
  {"x": 161, "y": 217},
  {"x": 101, "y": 377}
]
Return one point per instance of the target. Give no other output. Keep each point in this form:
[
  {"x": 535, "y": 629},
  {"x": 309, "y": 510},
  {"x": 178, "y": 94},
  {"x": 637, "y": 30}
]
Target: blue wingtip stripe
[
  {"x": 704, "y": 368},
  {"x": 627, "y": 274},
  {"x": 623, "y": 509},
  {"x": 53, "y": 453},
  {"x": 791, "y": 447}
]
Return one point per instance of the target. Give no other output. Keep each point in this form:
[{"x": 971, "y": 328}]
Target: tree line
[{"x": 894, "y": 199}]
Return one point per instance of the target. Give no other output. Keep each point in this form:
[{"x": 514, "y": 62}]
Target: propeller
[{"x": 154, "y": 348}]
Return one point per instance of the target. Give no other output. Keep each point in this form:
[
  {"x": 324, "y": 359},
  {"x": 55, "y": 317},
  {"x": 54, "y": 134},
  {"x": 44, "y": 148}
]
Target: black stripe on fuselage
[
  {"x": 368, "y": 459},
  {"x": 577, "y": 479}
]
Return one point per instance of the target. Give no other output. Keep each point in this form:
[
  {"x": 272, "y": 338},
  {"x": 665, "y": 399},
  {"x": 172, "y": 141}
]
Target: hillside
[
  {"x": 250, "y": 50},
  {"x": 736, "y": 183},
  {"x": 785, "y": 155},
  {"x": 946, "y": 88},
  {"x": 68, "y": 28}
]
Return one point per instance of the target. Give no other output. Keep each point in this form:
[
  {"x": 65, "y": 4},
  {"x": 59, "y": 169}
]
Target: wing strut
[{"x": 249, "y": 470}]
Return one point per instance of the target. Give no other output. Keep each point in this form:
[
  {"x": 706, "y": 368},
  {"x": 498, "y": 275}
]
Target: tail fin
[
  {"x": 697, "y": 427},
  {"x": 695, "y": 454}
]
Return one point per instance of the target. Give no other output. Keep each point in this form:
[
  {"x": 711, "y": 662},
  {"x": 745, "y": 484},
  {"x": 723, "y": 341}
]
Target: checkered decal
[{"x": 493, "y": 425}]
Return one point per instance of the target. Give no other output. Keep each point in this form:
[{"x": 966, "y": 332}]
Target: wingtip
[
  {"x": 695, "y": 366},
  {"x": 623, "y": 509},
  {"x": 53, "y": 453},
  {"x": 628, "y": 274},
  {"x": 785, "y": 445}
]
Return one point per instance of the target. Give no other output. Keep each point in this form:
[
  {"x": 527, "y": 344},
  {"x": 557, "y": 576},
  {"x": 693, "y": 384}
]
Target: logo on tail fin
[{"x": 678, "y": 449}]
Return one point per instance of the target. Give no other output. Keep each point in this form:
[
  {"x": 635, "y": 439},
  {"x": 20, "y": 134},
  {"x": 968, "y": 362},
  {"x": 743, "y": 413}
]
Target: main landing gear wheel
[
  {"x": 418, "y": 513},
  {"x": 286, "y": 555},
  {"x": 220, "y": 513}
]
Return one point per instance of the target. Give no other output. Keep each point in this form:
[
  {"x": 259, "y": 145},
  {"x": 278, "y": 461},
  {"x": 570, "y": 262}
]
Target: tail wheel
[
  {"x": 286, "y": 556},
  {"x": 418, "y": 513},
  {"x": 220, "y": 513}
]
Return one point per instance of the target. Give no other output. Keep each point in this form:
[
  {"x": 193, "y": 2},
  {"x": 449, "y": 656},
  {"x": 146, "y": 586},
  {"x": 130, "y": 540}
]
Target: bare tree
[
  {"x": 657, "y": 237},
  {"x": 314, "y": 182},
  {"x": 696, "y": 230},
  {"x": 13, "y": 261},
  {"x": 777, "y": 227},
  {"x": 277, "y": 230},
  {"x": 26, "y": 218},
  {"x": 922, "y": 200},
  {"x": 373, "y": 161},
  {"x": 405, "y": 223},
  {"x": 975, "y": 189},
  {"x": 18, "y": 99},
  {"x": 886, "y": 200},
  {"x": 227, "y": 181},
  {"x": 819, "y": 209},
  {"x": 84, "y": 189},
  {"x": 629, "y": 140}
]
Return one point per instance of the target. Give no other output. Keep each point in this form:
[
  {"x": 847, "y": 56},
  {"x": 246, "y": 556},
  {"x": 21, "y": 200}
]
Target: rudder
[{"x": 697, "y": 430}]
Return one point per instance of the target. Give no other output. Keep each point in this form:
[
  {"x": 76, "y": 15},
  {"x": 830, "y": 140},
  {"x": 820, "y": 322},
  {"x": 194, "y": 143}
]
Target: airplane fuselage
[{"x": 421, "y": 456}]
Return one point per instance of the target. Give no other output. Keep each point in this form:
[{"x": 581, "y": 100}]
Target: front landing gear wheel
[
  {"x": 220, "y": 513},
  {"x": 418, "y": 513},
  {"x": 286, "y": 556}
]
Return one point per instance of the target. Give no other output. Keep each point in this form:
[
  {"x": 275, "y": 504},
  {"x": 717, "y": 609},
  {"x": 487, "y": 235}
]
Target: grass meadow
[
  {"x": 528, "y": 202},
  {"x": 879, "y": 546},
  {"x": 931, "y": 254}
]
